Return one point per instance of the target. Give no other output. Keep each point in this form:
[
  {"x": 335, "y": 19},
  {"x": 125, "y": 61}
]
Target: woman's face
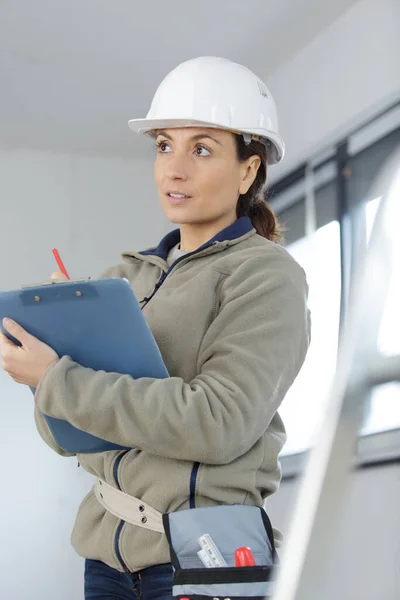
[{"x": 198, "y": 175}]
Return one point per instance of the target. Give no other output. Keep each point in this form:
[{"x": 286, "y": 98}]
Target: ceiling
[{"x": 73, "y": 72}]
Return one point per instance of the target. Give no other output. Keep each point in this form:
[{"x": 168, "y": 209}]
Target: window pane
[
  {"x": 384, "y": 410},
  {"x": 293, "y": 220},
  {"x": 363, "y": 167},
  {"x": 304, "y": 404},
  {"x": 325, "y": 203}
]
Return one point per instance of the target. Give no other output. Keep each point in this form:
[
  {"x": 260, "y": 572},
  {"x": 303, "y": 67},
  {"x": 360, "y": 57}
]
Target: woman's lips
[{"x": 177, "y": 200}]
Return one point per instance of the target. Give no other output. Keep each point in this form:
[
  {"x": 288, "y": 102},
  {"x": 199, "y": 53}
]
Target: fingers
[
  {"x": 58, "y": 276},
  {"x": 16, "y": 331},
  {"x": 3, "y": 343},
  {"x": 5, "y": 347}
]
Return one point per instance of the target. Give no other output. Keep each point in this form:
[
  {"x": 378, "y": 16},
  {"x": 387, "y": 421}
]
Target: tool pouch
[{"x": 230, "y": 527}]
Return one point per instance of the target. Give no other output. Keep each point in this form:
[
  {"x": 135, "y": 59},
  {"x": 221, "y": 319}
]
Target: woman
[{"x": 227, "y": 307}]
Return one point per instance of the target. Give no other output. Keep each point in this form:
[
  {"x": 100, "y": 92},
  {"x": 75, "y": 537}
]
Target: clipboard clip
[{"x": 49, "y": 283}]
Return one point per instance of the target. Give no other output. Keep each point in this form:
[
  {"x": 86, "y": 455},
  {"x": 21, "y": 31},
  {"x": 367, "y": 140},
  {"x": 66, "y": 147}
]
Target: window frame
[{"x": 380, "y": 447}]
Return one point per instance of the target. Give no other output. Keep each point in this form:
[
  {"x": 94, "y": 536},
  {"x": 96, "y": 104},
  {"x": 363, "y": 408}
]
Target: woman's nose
[{"x": 177, "y": 168}]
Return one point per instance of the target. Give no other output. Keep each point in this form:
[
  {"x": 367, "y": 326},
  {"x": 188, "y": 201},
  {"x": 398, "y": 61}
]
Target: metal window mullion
[{"x": 343, "y": 217}]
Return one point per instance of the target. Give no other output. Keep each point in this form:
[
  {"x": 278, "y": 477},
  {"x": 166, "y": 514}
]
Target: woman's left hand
[{"x": 27, "y": 363}]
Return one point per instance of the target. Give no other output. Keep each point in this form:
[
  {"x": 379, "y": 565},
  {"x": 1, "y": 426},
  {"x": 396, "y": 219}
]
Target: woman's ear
[{"x": 250, "y": 169}]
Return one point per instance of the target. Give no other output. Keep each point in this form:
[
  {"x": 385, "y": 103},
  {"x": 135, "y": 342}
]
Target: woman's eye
[
  {"x": 202, "y": 151},
  {"x": 163, "y": 147}
]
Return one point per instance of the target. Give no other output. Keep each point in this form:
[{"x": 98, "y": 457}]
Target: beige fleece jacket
[{"x": 232, "y": 324}]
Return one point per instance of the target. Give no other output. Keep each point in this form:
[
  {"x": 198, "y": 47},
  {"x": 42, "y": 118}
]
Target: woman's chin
[{"x": 179, "y": 214}]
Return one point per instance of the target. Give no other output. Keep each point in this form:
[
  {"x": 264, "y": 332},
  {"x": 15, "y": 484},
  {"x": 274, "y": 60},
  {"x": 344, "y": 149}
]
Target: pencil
[{"x": 60, "y": 263}]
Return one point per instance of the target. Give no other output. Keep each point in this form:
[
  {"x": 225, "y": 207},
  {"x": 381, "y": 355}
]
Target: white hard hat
[{"x": 215, "y": 92}]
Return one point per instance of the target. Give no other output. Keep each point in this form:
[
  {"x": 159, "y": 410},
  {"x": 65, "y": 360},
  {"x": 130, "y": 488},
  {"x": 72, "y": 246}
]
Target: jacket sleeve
[
  {"x": 249, "y": 357},
  {"x": 46, "y": 435}
]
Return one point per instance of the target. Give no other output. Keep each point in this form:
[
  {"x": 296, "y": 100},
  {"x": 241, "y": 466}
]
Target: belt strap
[{"x": 128, "y": 508}]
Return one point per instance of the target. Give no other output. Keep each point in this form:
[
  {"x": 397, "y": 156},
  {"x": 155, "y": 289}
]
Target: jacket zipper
[
  {"x": 193, "y": 483},
  {"x": 122, "y": 523},
  {"x": 165, "y": 274},
  {"x": 193, "y": 476},
  {"x": 159, "y": 283}
]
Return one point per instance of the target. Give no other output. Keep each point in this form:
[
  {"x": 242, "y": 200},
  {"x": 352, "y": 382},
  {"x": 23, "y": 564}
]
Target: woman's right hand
[{"x": 58, "y": 276}]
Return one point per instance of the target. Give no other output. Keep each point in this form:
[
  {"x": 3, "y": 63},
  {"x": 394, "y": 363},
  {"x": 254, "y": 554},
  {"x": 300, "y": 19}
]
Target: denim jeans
[{"x": 104, "y": 583}]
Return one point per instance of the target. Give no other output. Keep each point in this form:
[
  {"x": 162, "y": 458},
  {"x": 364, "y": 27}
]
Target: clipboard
[{"x": 99, "y": 324}]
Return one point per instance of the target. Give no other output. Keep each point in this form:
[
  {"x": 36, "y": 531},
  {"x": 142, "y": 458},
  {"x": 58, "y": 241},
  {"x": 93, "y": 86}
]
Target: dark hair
[{"x": 253, "y": 204}]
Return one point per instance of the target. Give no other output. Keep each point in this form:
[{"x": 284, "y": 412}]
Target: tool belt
[{"x": 228, "y": 527}]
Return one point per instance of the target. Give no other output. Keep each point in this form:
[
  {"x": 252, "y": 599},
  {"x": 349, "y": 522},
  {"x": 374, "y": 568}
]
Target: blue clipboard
[{"x": 99, "y": 324}]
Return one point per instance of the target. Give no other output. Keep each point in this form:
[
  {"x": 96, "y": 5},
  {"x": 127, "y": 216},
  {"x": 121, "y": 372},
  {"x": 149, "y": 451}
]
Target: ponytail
[{"x": 252, "y": 204}]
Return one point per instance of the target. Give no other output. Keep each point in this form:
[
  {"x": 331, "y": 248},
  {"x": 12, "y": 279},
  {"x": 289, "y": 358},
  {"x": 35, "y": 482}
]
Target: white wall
[
  {"x": 91, "y": 209},
  {"x": 343, "y": 76}
]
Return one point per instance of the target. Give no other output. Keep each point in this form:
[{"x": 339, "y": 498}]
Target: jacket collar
[{"x": 239, "y": 228}]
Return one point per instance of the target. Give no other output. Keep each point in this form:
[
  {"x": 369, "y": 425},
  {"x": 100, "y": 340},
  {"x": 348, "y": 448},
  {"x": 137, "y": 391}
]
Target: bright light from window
[
  {"x": 384, "y": 411},
  {"x": 304, "y": 404},
  {"x": 370, "y": 214}
]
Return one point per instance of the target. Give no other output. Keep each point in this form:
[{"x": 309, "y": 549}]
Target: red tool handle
[{"x": 244, "y": 558}]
